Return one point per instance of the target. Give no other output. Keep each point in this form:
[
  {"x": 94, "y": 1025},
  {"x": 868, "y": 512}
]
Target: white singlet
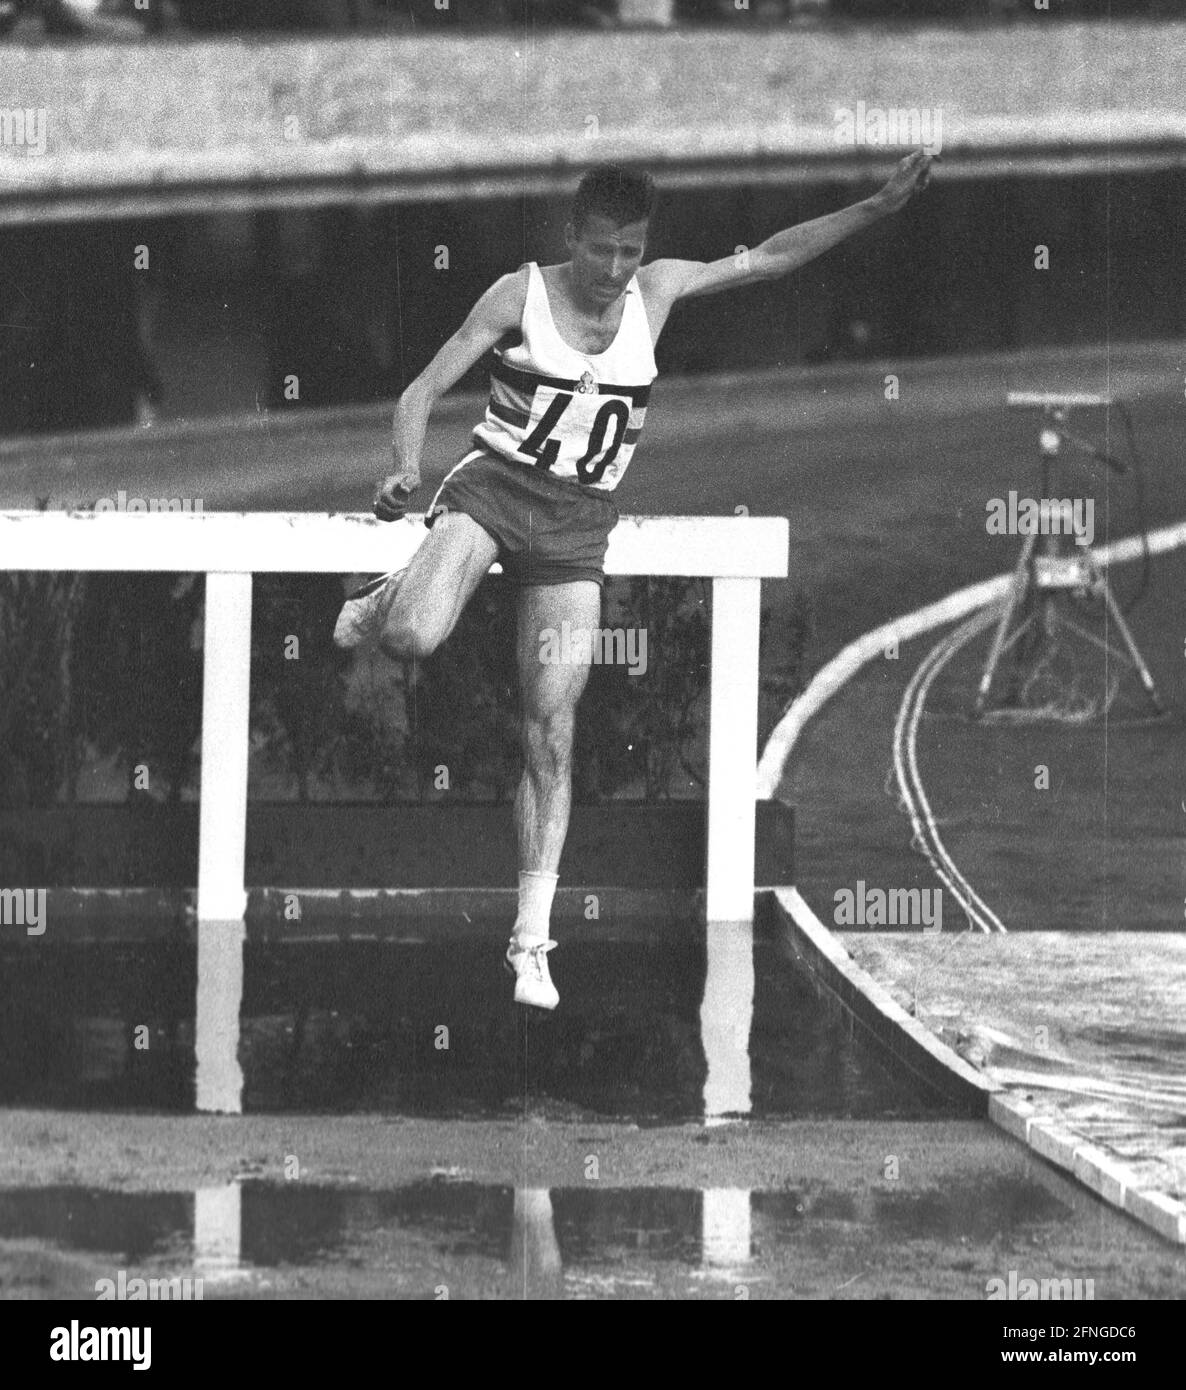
[{"x": 577, "y": 414}]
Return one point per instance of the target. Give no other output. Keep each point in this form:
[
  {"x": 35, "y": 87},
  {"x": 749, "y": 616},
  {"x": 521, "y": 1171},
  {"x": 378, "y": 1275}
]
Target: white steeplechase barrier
[{"x": 736, "y": 553}]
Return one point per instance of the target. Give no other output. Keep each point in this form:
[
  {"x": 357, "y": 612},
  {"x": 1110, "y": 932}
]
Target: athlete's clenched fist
[{"x": 395, "y": 494}]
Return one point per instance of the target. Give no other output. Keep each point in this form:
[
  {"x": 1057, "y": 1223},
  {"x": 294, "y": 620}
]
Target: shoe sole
[
  {"x": 526, "y": 1003},
  {"x": 347, "y": 639},
  {"x": 546, "y": 1009}
]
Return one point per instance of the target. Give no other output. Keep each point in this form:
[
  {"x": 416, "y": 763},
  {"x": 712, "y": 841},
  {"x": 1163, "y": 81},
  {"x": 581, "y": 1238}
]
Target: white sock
[{"x": 536, "y": 890}]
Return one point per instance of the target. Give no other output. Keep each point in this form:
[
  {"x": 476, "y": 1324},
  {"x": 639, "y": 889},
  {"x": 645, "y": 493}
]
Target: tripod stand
[{"x": 1046, "y": 575}]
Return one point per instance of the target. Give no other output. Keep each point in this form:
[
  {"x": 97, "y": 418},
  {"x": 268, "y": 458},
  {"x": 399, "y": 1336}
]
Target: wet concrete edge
[
  {"x": 1107, "y": 1176},
  {"x": 911, "y": 1044},
  {"x": 908, "y": 1043}
]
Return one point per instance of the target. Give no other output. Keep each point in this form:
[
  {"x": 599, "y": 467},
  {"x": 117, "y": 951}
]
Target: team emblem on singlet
[{"x": 587, "y": 386}]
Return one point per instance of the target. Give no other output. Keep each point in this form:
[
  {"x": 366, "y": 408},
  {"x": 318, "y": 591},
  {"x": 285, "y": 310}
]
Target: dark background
[{"x": 352, "y": 303}]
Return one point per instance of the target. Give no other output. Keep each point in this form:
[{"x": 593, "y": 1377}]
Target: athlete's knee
[
  {"x": 547, "y": 742},
  {"x": 408, "y": 637}
]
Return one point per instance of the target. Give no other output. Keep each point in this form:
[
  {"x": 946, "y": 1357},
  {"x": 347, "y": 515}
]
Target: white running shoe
[
  {"x": 533, "y": 984},
  {"x": 361, "y": 620}
]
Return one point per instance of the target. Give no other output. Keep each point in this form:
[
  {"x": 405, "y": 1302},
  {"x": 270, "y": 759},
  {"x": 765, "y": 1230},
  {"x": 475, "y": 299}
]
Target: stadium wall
[{"x": 204, "y": 126}]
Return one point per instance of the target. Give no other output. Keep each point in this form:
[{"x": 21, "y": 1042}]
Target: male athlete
[{"x": 567, "y": 402}]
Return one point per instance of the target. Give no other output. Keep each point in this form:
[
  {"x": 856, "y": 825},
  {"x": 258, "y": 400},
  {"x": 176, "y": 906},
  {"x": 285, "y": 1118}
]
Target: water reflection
[
  {"x": 435, "y": 1238},
  {"x": 218, "y": 1233},
  {"x": 216, "y": 1026},
  {"x": 655, "y": 1024},
  {"x": 536, "y": 1269},
  {"x": 726, "y": 1014},
  {"x": 725, "y": 1229}
]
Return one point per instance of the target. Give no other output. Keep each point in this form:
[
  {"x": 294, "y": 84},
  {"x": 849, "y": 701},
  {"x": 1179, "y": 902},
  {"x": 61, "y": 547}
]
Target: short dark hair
[{"x": 619, "y": 194}]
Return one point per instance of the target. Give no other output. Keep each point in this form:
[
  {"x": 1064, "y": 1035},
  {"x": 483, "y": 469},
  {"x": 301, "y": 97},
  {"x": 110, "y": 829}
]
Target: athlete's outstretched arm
[
  {"x": 499, "y": 309},
  {"x": 786, "y": 251}
]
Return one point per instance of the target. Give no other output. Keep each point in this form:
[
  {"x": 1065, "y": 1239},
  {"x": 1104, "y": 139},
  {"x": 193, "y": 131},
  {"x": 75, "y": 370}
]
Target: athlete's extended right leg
[{"x": 436, "y": 586}]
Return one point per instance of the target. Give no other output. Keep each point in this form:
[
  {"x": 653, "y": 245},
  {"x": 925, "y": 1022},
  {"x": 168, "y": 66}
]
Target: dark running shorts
[{"x": 548, "y": 531}]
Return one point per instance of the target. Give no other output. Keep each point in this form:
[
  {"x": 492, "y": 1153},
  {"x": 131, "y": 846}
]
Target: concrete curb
[
  {"x": 915, "y": 1047},
  {"x": 911, "y": 1043},
  {"x": 1108, "y": 1177}
]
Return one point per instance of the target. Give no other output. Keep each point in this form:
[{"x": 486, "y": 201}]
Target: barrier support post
[
  {"x": 222, "y": 840},
  {"x": 733, "y": 749}
]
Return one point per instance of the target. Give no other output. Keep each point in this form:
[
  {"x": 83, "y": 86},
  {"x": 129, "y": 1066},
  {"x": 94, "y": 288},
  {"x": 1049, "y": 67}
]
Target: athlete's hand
[
  {"x": 910, "y": 177},
  {"x": 395, "y": 494}
]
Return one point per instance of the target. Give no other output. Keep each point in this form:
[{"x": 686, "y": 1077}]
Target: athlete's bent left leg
[
  {"x": 410, "y": 612},
  {"x": 549, "y": 691}
]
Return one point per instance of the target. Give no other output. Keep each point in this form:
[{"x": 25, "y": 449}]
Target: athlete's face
[{"x": 604, "y": 256}]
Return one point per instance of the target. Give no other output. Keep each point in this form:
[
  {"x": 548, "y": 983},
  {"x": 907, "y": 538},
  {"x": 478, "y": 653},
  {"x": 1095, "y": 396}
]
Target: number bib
[
  {"x": 576, "y": 417},
  {"x": 575, "y": 434}
]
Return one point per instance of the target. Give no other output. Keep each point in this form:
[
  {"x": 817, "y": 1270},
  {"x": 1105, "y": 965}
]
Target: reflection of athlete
[{"x": 567, "y": 401}]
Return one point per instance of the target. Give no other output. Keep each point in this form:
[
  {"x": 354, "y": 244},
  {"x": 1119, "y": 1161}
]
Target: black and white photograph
[{"x": 592, "y": 672}]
